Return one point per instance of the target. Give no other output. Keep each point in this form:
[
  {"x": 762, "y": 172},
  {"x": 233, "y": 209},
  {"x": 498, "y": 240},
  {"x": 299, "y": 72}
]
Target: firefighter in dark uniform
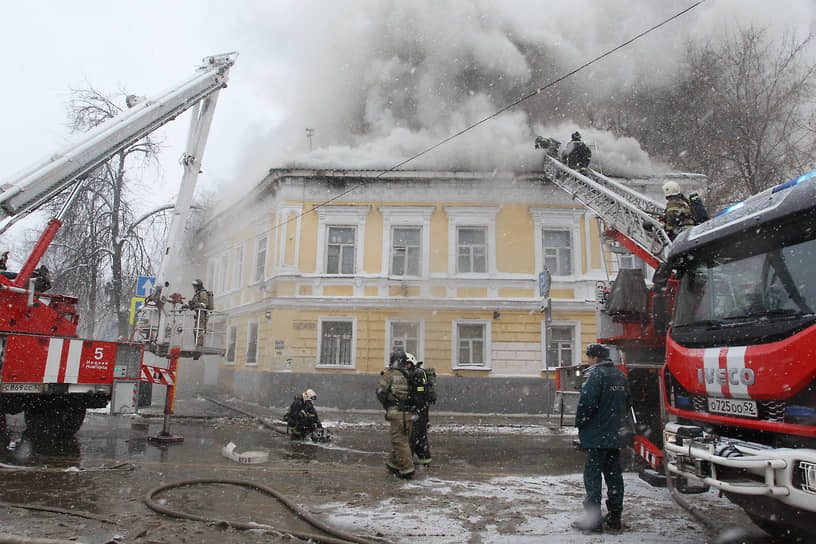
[
  {"x": 424, "y": 397},
  {"x": 393, "y": 393},
  {"x": 576, "y": 154},
  {"x": 199, "y": 303},
  {"x": 678, "y": 215},
  {"x": 301, "y": 418},
  {"x": 604, "y": 427}
]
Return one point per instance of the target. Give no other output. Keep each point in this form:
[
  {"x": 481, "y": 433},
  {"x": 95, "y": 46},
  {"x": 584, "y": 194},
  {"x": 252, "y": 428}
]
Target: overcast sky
[{"x": 339, "y": 67}]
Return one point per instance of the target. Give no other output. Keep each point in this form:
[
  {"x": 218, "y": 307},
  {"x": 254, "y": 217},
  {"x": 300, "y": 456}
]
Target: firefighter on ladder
[{"x": 200, "y": 303}]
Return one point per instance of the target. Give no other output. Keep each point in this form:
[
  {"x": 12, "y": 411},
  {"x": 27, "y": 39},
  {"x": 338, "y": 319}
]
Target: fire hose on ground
[{"x": 337, "y": 536}]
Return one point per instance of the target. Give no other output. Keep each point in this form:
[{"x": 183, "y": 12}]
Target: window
[
  {"x": 340, "y": 251},
  {"x": 238, "y": 268},
  {"x": 260, "y": 259},
  {"x": 405, "y": 251},
  {"x": 557, "y": 251},
  {"x": 252, "y": 344},
  {"x": 337, "y": 342},
  {"x": 471, "y": 243},
  {"x": 232, "y": 339},
  {"x": 405, "y": 335},
  {"x": 560, "y": 347},
  {"x": 470, "y": 344}
]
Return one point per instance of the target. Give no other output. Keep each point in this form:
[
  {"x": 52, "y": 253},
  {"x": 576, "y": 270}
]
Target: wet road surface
[{"x": 100, "y": 479}]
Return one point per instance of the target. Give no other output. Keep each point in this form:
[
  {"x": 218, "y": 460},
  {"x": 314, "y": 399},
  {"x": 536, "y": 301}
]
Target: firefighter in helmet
[
  {"x": 393, "y": 392},
  {"x": 678, "y": 215},
  {"x": 576, "y": 154},
  {"x": 301, "y": 418},
  {"x": 200, "y": 303}
]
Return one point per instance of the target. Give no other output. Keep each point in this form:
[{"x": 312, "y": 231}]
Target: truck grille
[{"x": 769, "y": 410}]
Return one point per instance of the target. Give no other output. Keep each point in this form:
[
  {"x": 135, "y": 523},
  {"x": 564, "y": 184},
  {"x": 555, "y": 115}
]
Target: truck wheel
[{"x": 61, "y": 421}]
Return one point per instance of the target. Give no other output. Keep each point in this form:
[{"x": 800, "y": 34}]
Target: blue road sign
[{"x": 144, "y": 285}]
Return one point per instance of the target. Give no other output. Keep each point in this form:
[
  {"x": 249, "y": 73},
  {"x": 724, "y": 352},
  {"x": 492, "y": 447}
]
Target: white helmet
[
  {"x": 309, "y": 394},
  {"x": 671, "y": 188},
  {"x": 409, "y": 358}
]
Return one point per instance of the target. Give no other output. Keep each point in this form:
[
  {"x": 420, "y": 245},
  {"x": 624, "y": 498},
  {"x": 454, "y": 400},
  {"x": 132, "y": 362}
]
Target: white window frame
[
  {"x": 341, "y": 216},
  {"x": 250, "y": 325},
  {"x": 238, "y": 267},
  {"x": 343, "y": 246},
  {"x": 487, "y": 324},
  {"x": 569, "y": 219},
  {"x": 576, "y": 342},
  {"x": 407, "y": 216},
  {"x": 474, "y": 217},
  {"x": 389, "y": 339},
  {"x": 231, "y": 341},
  {"x": 320, "y": 323},
  {"x": 570, "y": 248},
  {"x": 260, "y": 258}
]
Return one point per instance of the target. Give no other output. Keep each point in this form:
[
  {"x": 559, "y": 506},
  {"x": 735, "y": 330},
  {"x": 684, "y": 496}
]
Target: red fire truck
[
  {"x": 740, "y": 374},
  {"x": 46, "y": 371},
  {"x": 718, "y": 347}
]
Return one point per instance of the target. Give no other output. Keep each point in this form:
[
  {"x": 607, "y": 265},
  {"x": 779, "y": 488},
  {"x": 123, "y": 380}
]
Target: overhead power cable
[{"x": 498, "y": 112}]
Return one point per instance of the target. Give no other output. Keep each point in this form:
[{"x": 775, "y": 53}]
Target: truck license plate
[
  {"x": 20, "y": 387},
  {"x": 731, "y": 407}
]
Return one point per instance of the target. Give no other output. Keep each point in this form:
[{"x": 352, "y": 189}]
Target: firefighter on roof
[{"x": 576, "y": 154}]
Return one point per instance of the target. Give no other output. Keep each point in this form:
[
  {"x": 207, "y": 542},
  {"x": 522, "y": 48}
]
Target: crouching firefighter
[
  {"x": 302, "y": 420},
  {"x": 393, "y": 392}
]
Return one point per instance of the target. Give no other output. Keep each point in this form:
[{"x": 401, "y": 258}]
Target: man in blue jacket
[{"x": 604, "y": 423}]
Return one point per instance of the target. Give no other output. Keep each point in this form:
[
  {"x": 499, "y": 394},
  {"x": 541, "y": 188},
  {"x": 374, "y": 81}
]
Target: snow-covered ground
[{"x": 527, "y": 510}]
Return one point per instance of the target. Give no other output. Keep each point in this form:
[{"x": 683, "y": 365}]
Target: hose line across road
[{"x": 337, "y": 536}]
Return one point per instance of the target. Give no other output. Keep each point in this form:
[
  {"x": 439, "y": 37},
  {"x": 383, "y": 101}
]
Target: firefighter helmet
[
  {"x": 576, "y": 135},
  {"x": 671, "y": 188},
  {"x": 539, "y": 142},
  {"x": 597, "y": 350},
  {"x": 309, "y": 394},
  {"x": 409, "y": 358},
  {"x": 198, "y": 284}
]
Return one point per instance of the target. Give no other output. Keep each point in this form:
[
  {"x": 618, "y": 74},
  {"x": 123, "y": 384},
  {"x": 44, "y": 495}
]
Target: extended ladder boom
[
  {"x": 631, "y": 215},
  {"x": 28, "y": 190}
]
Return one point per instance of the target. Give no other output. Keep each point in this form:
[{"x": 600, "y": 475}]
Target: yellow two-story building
[{"x": 319, "y": 274}]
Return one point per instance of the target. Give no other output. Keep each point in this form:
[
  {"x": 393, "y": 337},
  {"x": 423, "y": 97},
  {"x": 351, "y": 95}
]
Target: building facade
[{"x": 319, "y": 274}]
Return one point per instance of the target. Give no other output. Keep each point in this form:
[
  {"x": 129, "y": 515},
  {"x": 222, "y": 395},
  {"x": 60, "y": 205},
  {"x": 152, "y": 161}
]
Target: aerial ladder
[
  {"x": 633, "y": 221},
  {"x": 45, "y": 370}
]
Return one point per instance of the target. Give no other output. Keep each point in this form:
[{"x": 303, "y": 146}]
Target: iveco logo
[{"x": 722, "y": 376}]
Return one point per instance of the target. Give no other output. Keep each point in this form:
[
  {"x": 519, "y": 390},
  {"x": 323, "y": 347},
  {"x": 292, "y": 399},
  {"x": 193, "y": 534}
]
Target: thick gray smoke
[{"x": 382, "y": 80}]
